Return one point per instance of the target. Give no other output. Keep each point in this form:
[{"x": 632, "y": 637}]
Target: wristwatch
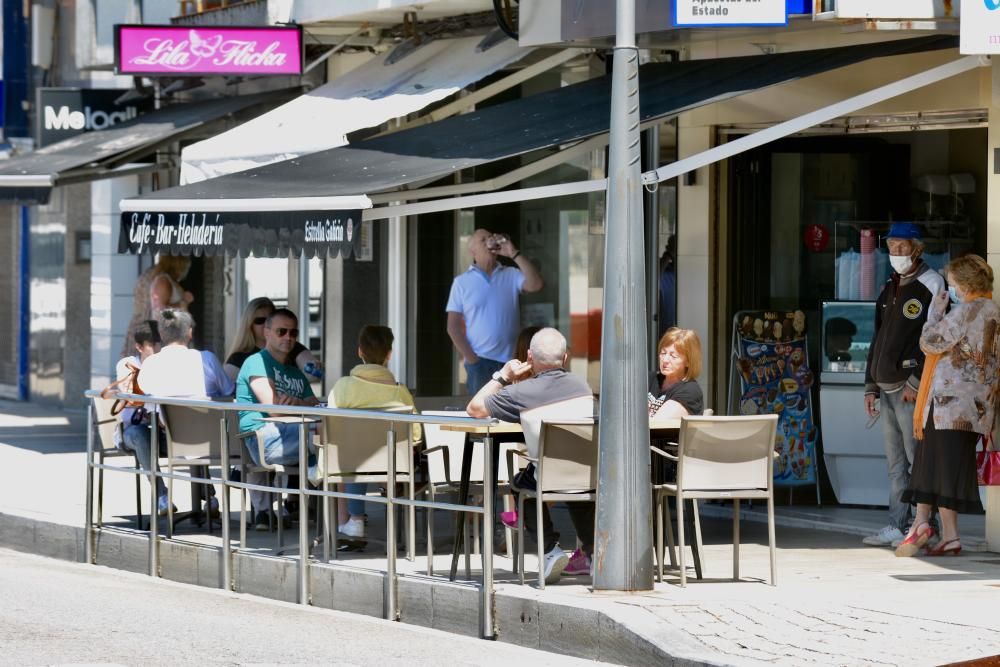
[{"x": 498, "y": 377}]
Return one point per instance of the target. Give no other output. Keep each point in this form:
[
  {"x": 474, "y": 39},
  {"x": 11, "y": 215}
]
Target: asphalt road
[{"x": 58, "y": 613}]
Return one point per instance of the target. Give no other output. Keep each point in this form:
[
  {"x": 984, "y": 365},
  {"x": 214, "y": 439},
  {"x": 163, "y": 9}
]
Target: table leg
[{"x": 463, "y": 495}]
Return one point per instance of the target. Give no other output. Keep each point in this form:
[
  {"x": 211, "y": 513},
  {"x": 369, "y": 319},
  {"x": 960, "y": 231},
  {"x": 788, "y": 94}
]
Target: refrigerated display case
[{"x": 852, "y": 443}]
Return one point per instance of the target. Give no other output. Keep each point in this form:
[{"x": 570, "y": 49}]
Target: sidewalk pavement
[{"x": 837, "y": 602}]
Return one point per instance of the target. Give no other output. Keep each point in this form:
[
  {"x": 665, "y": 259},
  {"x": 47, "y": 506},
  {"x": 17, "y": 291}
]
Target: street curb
[{"x": 625, "y": 634}]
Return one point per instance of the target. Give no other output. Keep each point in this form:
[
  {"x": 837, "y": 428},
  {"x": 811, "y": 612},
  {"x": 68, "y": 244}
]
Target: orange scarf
[{"x": 926, "y": 377}]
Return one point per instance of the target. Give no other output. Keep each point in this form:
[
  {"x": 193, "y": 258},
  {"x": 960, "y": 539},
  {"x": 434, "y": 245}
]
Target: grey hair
[
  {"x": 175, "y": 326},
  {"x": 548, "y": 348}
]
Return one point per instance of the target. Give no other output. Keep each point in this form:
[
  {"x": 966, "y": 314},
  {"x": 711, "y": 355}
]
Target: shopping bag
[{"x": 988, "y": 463}]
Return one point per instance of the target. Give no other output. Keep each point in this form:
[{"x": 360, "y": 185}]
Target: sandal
[
  {"x": 949, "y": 548},
  {"x": 915, "y": 541}
]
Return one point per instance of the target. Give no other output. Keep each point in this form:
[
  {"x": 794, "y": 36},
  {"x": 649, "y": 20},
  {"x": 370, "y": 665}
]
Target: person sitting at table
[
  {"x": 673, "y": 391},
  {"x": 370, "y": 385},
  {"x": 250, "y": 339},
  {"x": 266, "y": 378},
  {"x": 134, "y": 435},
  {"x": 184, "y": 372},
  {"x": 179, "y": 370},
  {"x": 542, "y": 380}
]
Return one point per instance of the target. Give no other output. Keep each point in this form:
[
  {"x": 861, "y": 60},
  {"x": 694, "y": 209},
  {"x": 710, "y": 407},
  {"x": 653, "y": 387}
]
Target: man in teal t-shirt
[{"x": 264, "y": 379}]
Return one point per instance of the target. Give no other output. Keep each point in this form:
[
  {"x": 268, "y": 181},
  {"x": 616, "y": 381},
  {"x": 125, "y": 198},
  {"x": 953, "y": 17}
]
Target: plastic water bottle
[{"x": 312, "y": 369}]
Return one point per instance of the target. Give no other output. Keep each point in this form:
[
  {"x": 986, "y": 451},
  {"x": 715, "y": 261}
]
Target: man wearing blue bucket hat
[{"x": 895, "y": 362}]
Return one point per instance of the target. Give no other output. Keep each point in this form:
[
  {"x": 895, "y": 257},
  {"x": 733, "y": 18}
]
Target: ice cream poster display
[{"x": 774, "y": 378}]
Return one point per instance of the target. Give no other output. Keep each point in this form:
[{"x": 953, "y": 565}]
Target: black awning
[
  {"x": 29, "y": 179},
  {"x": 540, "y": 121}
]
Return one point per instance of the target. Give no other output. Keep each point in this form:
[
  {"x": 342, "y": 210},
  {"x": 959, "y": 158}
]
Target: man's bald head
[{"x": 547, "y": 350}]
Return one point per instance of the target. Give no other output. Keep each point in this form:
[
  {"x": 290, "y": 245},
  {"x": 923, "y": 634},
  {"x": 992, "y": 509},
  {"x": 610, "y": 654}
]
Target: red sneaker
[
  {"x": 509, "y": 519},
  {"x": 579, "y": 563}
]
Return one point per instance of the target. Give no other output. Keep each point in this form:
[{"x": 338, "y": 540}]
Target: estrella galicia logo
[{"x": 992, "y": 5}]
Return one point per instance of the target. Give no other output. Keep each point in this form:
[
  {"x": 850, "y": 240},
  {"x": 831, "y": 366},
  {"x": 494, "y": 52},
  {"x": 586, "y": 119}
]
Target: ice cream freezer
[{"x": 853, "y": 449}]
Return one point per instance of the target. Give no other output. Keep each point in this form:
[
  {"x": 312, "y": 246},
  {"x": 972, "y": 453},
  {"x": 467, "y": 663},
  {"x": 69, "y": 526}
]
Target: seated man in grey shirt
[{"x": 539, "y": 382}]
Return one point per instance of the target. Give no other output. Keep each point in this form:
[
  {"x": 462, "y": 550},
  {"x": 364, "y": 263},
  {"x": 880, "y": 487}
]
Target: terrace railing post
[
  {"x": 489, "y": 632},
  {"x": 303, "y": 512},
  {"x": 227, "y": 553},
  {"x": 391, "y": 611},
  {"x": 88, "y": 524},
  {"x": 154, "y": 515}
]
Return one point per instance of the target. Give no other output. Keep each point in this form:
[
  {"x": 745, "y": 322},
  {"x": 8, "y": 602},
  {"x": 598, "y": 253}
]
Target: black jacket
[{"x": 894, "y": 357}]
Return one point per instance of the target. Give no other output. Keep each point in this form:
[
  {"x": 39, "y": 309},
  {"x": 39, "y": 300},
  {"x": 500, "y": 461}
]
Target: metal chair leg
[
  {"x": 680, "y": 539},
  {"x": 771, "y": 540},
  {"x": 657, "y": 504},
  {"x": 430, "y": 532},
  {"x": 698, "y": 552},
  {"x": 520, "y": 534},
  {"x": 671, "y": 545},
  {"x": 540, "y": 538},
  {"x": 736, "y": 540}
]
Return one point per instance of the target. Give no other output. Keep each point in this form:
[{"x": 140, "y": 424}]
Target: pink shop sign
[{"x": 153, "y": 50}]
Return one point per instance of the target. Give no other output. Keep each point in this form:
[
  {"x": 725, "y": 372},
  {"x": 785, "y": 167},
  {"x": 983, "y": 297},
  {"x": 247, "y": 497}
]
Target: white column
[
  {"x": 397, "y": 274},
  {"x": 112, "y": 278},
  {"x": 695, "y": 279}
]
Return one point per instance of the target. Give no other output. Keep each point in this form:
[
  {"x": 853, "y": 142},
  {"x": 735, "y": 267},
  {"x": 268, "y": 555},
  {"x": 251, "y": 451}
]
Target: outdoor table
[{"x": 503, "y": 428}]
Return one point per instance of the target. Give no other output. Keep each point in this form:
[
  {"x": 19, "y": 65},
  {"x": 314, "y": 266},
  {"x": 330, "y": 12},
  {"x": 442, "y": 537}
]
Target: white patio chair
[
  {"x": 106, "y": 425},
  {"x": 725, "y": 458}
]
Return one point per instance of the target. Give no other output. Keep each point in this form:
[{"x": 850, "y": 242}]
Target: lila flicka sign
[{"x": 155, "y": 50}]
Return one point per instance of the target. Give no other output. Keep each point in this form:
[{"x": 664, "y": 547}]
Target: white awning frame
[{"x": 705, "y": 158}]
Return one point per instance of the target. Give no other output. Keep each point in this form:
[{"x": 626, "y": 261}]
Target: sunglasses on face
[
  {"x": 281, "y": 332},
  {"x": 259, "y": 320}
]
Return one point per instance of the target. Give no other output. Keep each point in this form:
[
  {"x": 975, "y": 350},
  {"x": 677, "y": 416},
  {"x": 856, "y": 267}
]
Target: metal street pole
[{"x": 623, "y": 554}]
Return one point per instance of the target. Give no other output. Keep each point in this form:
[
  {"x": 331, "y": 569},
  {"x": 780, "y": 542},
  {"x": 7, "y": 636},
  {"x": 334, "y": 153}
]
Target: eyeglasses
[
  {"x": 669, "y": 354},
  {"x": 259, "y": 320},
  {"x": 281, "y": 332}
]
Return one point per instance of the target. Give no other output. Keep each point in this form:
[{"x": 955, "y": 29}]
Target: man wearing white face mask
[{"x": 895, "y": 363}]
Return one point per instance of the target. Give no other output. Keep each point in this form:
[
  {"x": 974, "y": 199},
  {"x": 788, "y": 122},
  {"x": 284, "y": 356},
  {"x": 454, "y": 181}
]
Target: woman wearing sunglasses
[{"x": 250, "y": 339}]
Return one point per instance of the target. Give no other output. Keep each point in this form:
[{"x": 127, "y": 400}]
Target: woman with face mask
[{"x": 956, "y": 405}]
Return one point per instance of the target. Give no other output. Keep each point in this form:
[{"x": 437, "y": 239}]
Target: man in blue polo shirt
[{"x": 484, "y": 306}]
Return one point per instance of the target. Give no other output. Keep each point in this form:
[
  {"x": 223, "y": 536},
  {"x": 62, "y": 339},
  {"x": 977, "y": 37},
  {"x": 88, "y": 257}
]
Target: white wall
[{"x": 112, "y": 278}]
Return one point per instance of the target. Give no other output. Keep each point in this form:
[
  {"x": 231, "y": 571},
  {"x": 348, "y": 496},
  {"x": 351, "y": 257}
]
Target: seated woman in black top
[
  {"x": 250, "y": 339},
  {"x": 673, "y": 391}
]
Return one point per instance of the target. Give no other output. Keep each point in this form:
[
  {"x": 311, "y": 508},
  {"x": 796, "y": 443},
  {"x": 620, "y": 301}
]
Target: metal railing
[{"x": 390, "y": 500}]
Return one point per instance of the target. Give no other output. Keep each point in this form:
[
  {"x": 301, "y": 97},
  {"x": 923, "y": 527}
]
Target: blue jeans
[
  {"x": 900, "y": 446},
  {"x": 479, "y": 373},
  {"x": 356, "y": 507},
  {"x": 135, "y": 439},
  {"x": 281, "y": 446}
]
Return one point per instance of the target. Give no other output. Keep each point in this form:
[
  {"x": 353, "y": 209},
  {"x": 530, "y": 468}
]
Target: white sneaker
[
  {"x": 555, "y": 562},
  {"x": 353, "y": 528},
  {"x": 885, "y": 537}
]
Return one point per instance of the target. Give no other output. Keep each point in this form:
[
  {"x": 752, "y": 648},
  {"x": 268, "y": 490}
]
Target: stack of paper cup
[{"x": 867, "y": 264}]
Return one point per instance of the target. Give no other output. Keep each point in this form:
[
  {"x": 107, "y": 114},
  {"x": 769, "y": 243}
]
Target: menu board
[{"x": 770, "y": 359}]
